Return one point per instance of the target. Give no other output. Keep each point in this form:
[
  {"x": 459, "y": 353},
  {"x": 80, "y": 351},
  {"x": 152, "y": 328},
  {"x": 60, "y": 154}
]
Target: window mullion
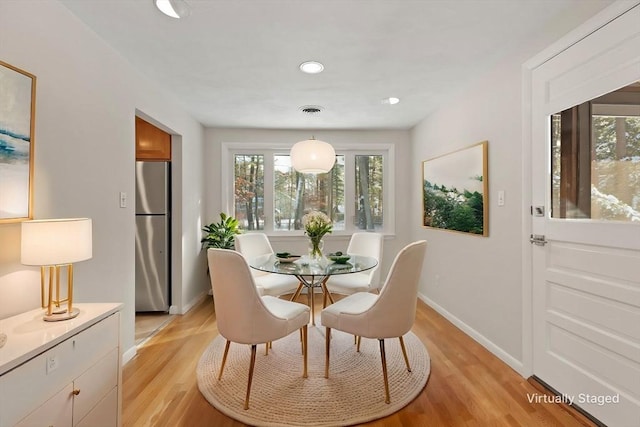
[
  {"x": 268, "y": 191},
  {"x": 349, "y": 191}
]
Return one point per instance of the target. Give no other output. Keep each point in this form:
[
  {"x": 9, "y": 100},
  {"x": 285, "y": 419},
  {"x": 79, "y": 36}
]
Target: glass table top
[{"x": 306, "y": 267}]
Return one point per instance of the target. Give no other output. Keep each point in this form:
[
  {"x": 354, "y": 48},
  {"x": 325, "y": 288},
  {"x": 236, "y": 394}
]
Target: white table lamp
[{"x": 51, "y": 244}]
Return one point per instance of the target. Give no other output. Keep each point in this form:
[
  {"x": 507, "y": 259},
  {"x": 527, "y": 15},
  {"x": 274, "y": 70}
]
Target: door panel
[
  {"x": 152, "y": 188},
  {"x": 586, "y": 279},
  {"x": 152, "y": 263}
]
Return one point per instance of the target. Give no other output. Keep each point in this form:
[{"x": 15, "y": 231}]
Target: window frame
[{"x": 386, "y": 150}]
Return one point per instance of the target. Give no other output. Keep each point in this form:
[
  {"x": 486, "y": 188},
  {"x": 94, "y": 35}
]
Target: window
[
  {"x": 369, "y": 194},
  {"x": 268, "y": 194},
  {"x": 296, "y": 194},
  {"x": 248, "y": 190},
  {"x": 595, "y": 158}
]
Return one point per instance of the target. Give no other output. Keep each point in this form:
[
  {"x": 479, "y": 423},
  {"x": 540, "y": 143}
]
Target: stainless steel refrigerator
[{"x": 153, "y": 225}]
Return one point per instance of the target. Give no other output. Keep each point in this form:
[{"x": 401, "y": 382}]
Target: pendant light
[
  {"x": 312, "y": 156},
  {"x": 173, "y": 8}
]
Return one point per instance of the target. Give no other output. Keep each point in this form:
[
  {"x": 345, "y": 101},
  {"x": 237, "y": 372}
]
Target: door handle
[{"x": 538, "y": 239}]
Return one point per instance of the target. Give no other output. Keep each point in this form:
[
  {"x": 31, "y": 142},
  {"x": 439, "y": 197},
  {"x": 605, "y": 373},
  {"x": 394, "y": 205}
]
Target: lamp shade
[
  {"x": 56, "y": 241},
  {"x": 173, "y": 8},
  {"x": 312, "y": 156}
]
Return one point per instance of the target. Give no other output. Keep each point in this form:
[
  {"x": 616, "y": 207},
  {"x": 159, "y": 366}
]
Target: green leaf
[{"x": 221, "y": 234}]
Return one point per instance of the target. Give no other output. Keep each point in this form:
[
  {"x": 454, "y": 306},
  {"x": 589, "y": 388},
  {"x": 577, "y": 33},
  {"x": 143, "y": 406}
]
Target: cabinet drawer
[
  {"x": 94, "y": 343},
  {"x": 94, "y": 384},
  {"x": 54, "y": 412},
  {"x": 27, "y": 386},
  {"x": 104, "y": 414}
]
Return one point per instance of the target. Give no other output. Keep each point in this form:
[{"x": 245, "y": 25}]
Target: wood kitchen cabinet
[
  {"x": 152, "y": 143},
  {"x": 62, "y": 373}
]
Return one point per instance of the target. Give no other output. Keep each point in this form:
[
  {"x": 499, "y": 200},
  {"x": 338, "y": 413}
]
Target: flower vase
[{"x": 315, "y": 248}]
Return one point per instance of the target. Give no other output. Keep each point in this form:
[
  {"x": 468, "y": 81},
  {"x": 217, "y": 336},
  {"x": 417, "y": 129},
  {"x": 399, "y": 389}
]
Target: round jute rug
[{"x": 353, "y": 393}]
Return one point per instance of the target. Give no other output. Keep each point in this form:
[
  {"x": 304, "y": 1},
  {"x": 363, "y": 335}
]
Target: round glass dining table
[{"x": 312, "y": 273}]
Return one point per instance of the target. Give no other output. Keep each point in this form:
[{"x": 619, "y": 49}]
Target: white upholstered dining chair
[
  {"x": 367, "y": 244},
  {"x": 252, "y": 245},
  {"x": 389, "y": 314},
  {"x": 245, "y": 317}
]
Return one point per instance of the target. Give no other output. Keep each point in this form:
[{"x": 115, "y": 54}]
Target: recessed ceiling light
[
  {"x": 391, "y": 101},
  {"x": 173, "y": 8},
  {"x": 311, "y": 67}
]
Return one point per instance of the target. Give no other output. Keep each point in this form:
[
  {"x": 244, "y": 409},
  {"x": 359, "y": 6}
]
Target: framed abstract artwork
[
  {"x": 17, "y": 111},
  {"x": 455, "y": 191}
]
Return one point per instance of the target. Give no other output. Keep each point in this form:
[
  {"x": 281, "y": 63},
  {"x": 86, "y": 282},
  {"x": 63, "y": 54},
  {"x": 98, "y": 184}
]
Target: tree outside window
[
  {"x": 249, "y": 191},
  {"x": 269, "y": 195},
  {"x": 296, "y": 194},
  {"x": 369, "y": 194}
]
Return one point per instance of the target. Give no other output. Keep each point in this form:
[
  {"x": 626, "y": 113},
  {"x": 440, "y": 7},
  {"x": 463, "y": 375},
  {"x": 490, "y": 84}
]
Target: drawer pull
[{"x": 76, "y": 392}]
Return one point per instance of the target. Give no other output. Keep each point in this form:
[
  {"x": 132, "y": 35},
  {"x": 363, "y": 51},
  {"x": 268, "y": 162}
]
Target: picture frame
[
  {"x": 455, "y": 191},
  {"x": 17, "y": 124}
]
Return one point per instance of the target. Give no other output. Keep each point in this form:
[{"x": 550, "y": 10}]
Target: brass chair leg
[
  {"x": 327, "y": 294},
  {"x": 384, "y": 371},
  {"x": 266, "y": 349},
  {"x": 326, "y": 358},
  {"x": 305, "y": 350},
  {"x": 404, "y": 353},
  {"x": 313, "y": 306},
  {"x": 358, "y": 343},
  {"x": 224, "y": 358},
  {"x": 296, "y": 294},
  {"x": 252, "y": 364}
]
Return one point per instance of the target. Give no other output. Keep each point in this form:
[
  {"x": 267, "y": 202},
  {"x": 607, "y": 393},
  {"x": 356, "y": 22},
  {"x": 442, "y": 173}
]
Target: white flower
[{"x": 316, "y": 224}]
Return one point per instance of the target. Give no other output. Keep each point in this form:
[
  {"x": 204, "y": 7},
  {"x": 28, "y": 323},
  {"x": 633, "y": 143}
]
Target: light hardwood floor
[
  {"x": 468, "y": 386},
  {"x": 147, "y": 324}
]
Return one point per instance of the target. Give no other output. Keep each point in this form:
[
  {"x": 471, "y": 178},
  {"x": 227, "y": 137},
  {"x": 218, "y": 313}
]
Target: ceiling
[{"x": 234, "y": 63}]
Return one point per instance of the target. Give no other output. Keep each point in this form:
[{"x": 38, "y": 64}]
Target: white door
[{"x": 586, "y": 278}]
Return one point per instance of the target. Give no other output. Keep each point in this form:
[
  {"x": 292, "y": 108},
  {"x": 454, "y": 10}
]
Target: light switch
[
  {"x": 501, "y": 198},
  {"x": 123, "y": 199}
]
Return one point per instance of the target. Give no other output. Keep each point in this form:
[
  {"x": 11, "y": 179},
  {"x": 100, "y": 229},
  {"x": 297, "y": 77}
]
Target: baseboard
[
  {"x": 514, "y": 363},
  {"x": 128, "y": 355}
]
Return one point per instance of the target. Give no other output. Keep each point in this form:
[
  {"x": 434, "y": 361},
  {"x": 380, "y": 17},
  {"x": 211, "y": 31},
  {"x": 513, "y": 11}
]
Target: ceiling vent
[{"x": 311, "y": 109}]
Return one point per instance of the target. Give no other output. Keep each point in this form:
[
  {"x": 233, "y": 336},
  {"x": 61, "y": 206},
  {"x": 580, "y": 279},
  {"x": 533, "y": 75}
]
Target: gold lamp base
[
  {"x": 55, "y": 312},
  {"x": 61, "y": 315}
]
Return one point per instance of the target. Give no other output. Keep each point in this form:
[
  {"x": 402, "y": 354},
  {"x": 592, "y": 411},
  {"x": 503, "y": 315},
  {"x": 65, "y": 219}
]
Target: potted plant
[{"x": 221, "y": 234}]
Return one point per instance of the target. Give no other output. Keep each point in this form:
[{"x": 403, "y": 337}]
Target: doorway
[{"x": 153, "y": 262}]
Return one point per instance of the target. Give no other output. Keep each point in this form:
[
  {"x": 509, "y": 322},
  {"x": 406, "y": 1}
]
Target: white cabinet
[
  {"x": 57, "y": 411},
  {"x": 70, "y": 375}
]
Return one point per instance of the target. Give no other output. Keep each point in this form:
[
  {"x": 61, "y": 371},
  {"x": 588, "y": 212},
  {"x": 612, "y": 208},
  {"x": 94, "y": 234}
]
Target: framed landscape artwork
[
  {"x": 17, "y": 109},
  {"x": 455, "y": 191}
]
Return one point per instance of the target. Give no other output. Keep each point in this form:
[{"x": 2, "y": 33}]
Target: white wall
[
  {"x": 87, "y": 97},
  {"x": 476, "y": 282},
  {"x": 214, "y": 137}
]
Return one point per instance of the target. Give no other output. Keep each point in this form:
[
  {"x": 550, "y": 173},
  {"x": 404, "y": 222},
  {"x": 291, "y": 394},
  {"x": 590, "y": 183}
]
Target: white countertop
[{"x": 28, "y": 335}]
